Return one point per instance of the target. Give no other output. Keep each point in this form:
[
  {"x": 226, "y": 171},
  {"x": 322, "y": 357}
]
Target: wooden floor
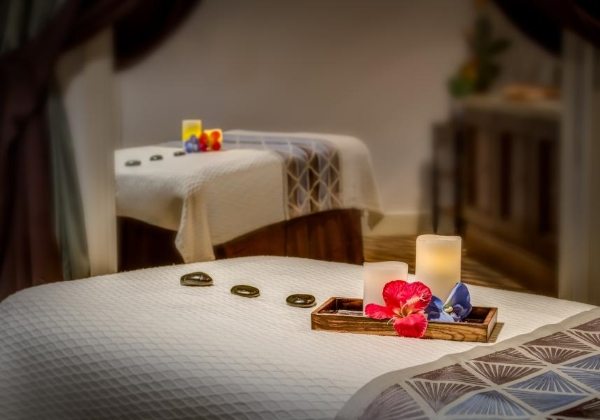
[{"x": 402, "y": 248}]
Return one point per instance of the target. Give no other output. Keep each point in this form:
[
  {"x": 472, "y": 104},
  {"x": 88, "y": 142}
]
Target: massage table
[
  {"x": 295, "y": 194},
  {"x": 140, "y": 345}
]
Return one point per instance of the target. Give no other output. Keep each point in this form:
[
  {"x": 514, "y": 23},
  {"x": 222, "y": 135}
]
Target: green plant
[{"x": 481, "y": 69}]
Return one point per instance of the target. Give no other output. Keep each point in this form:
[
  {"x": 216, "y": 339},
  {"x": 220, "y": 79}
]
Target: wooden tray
[{"x": 345, "y": 315}]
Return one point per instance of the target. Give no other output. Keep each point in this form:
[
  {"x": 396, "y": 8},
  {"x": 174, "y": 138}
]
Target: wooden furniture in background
[
  {"x": 333, "y": 235},
  {"x": 506, "y": 185}
]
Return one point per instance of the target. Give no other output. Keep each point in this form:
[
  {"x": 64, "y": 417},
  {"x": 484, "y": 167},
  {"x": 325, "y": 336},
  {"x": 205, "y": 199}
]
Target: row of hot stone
[
  {"x": 153, "y": 158},
  {"x": 201, "y": 279}
]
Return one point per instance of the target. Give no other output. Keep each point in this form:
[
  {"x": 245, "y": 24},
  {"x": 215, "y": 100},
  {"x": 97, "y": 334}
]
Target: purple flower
[
  {"x": 457, "y": 307},
  {"x": 435, "y": 311},
  {"x": 191, "y": 144}
]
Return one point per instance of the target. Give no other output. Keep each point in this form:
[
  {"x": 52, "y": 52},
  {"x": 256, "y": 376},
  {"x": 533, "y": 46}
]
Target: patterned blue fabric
[
  {"x": 553, "y": 376},
  {"x": 312, "y": 169}
]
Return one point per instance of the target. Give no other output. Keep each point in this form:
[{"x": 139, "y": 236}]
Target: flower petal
[
  {"x": 414, "y": 297},
  {"x": 459, "y": 312},
  {"x": 435, "y": 311},
  {"x": 372, "y": 310},
  {"x": 413, "y": 325},
  {"x": 460, "y": 300},
  {"x": 435, "y": 305},
  {"x": 392, "y": 292}
]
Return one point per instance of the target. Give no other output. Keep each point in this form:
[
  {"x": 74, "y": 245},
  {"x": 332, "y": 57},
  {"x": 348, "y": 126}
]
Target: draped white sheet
[{"x": 208, "y": 198}]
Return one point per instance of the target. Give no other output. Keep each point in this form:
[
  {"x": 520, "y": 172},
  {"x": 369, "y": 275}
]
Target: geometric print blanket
[
  {"x": 312, "y": 169},
  {"x": 552, "y": 373}
]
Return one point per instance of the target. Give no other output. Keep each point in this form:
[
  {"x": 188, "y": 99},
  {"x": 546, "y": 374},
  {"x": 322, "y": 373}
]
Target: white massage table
[
  {"x": 140, "y": 345},
  {"x": 212, "y": 198}
]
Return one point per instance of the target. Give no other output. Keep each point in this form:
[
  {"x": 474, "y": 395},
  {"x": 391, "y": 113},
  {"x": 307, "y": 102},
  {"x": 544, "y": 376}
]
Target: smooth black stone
[
  {"x": 245, "y": 291},
  {"x": 133, "y": 163},
  {"x": 179, "y": 153},
  {"x": 196, "y": 279},
  {"x": 301, "y": 300},
  {"x": 156, "y": 157}
]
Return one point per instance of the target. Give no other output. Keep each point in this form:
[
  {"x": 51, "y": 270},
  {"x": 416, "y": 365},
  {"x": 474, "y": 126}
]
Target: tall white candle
[
  {"x": 376, "y": 275},
  {"x": 438, "y": 263}
]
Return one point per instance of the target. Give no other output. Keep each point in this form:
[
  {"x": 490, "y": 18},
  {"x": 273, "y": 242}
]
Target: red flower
[
  {"x": 405, "y": 303},
  {"x": 204, "y": 139}
]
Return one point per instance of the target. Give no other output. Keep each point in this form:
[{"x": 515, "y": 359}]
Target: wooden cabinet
[{"x": 506, "y": 185}]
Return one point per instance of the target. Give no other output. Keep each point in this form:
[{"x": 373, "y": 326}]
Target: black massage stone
[
  {"x": 301, "y": 301},
  {"x": 245, "y": 291},
  {"x": 196, "y": 279}
]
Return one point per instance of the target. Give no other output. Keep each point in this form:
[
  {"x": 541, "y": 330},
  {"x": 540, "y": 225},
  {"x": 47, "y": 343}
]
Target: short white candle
[
  {"x": 438, "y": 263},
  {"x": 376, "y": 275}
]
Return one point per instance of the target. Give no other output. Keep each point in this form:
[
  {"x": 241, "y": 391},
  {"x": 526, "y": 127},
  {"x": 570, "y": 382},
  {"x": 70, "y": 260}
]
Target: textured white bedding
[
  {"x": 211, "y": 198},
  {"x": 208, "y": 198},
  {"x": 139, "y": 345}
]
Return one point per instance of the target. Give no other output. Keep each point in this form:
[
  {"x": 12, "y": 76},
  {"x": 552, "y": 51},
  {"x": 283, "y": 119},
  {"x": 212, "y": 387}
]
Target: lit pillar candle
[
  {"x": 191, "y": 128},
  {"x": 375, "y": 277},
  {"x": 438, "y": 263}
]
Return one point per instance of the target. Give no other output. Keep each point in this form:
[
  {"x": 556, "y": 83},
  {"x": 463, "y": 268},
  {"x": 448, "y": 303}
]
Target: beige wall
[{"x": 373, "y": 69}]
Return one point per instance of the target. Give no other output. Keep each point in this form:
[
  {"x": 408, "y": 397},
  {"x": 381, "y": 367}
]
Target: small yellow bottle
[{"x": 191, "y": 128}]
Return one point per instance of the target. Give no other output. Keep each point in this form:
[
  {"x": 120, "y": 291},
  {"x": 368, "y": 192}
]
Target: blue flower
[
  {"x": 435, "y": 311},
  {"x": 191, "y": 144},
  {"x": 457, "y": 307}
]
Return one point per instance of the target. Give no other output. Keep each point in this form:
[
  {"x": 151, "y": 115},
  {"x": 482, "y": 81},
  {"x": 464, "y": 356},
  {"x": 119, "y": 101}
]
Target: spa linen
[
  {"x": 140, "y": 345},
  {"x": 208, "y": 198}
]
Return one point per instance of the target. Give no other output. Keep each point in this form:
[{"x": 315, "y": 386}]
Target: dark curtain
[
  {"x": 137, "y": 33},
  {"x": 29, "y": 252},
  {"x": 544, "y": 20}
]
